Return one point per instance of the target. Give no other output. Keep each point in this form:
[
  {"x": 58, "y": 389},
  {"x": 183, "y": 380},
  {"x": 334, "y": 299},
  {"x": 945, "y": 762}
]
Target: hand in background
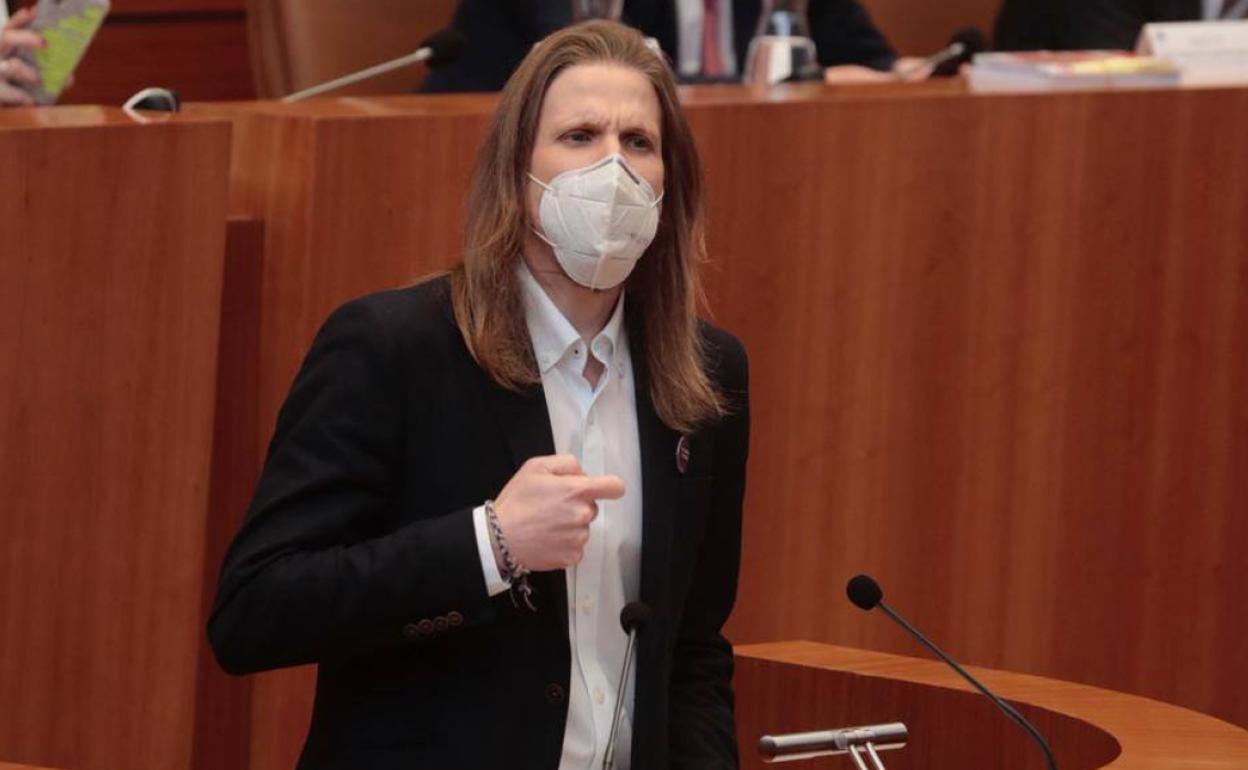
[
  {"x": 851, "y": 74},
  {"x": 905, "y": 69},
  {"x": 15, "y": 73},
  {"x": 912, "y": 68}
]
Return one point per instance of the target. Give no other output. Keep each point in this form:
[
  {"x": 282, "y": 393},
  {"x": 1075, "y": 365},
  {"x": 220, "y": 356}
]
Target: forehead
[{"x": 601, "y": 92}]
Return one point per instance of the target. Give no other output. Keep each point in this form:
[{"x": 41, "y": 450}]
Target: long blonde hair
[{"x": 664, "y": 291}]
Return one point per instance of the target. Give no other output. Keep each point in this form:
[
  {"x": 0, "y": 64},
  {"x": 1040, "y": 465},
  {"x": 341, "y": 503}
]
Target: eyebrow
[{"x": 597, "y": 120}]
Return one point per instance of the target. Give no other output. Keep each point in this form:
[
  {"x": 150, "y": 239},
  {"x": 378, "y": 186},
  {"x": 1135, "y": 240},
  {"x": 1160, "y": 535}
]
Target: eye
[
  {"x": 578, "y": 136},
  {"x": 639, "y": 142}
]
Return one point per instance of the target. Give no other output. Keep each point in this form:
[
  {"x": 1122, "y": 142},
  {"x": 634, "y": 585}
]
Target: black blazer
[
  {"x": 501, "y": 32},
  {"x": 358, "y": 553},
  {"x": 1071, "y": 25}
]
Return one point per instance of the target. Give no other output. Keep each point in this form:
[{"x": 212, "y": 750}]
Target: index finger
[
  {"x": 601, "y": 488},
  {"x": 21, "y": 39}
]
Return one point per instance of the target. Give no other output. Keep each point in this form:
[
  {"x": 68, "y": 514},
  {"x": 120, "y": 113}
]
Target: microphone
[
  {"x": 866, "y": 594},
  {"x": 947, "y": 61},
  {"x": 633, "y": 618},
  {"x": 440, "y": 48},
  {"x": 824, "y": 743},
  {"x": 972, "y": 41}
]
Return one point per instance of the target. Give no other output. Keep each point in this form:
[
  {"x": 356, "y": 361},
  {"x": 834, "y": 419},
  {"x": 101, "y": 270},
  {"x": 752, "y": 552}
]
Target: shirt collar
[{"x": 552, "y": 335}]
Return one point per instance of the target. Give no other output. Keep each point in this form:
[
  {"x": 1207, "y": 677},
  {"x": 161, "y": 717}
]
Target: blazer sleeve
[
  {"x": 844, "y": 34},
  {"x": 313, "y": 573},
  {"x": 702, "y": 728}
]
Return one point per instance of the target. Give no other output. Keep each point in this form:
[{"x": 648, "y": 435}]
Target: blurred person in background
[
  {"x": 705, "y": 39},
  {"x": 1076, "y": 25}
]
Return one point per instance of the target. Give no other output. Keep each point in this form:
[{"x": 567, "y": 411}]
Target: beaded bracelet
[{"x": 513, "y": 572}]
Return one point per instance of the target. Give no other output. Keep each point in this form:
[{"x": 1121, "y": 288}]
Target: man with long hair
[{"x": 472, "y": 477}]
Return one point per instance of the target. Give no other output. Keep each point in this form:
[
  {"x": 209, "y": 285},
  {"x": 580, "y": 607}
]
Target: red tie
[{"x": 712, "y": 60}]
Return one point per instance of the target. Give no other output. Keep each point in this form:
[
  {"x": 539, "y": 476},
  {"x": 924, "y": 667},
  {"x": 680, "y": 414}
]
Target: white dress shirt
[
  {"x": 598, "y": 425},
  {"x": 689, "y": 37}
]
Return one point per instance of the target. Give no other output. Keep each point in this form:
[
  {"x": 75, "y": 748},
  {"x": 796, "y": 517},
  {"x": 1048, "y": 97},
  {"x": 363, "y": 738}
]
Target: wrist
[
  {"x": 508, "y": 566},
  {"x": 499, "y": 562}
]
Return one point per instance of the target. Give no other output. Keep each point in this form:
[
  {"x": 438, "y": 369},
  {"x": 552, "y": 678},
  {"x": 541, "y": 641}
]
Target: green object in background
[
  {"x": 68, "y": 27},
  {"x": 66, "y": 43}
]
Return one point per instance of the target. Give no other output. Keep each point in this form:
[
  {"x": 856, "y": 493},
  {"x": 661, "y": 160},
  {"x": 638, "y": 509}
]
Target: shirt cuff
[{"x": 494, "y": 583}]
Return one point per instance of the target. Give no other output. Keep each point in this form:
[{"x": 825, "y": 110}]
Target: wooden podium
[
  {"x": 800, "y": 686},
  {"x": 114, "y": 233}
]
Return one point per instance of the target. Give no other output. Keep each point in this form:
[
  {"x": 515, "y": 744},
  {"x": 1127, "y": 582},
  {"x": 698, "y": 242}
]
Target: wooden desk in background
[
  {"x": 112, "y": 236},
  {"x": 997, "y": 345},
  {"x": 789, "y": 687}
]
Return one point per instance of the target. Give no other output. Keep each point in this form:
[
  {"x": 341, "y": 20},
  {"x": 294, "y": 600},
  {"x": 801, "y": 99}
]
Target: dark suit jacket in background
[
  {"x": 1072, "y": 25},
  {"x": 358, "y": 553},
  {"x": 501, "y": 32}
]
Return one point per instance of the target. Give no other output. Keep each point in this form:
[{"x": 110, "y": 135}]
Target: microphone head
[
  {"x": 971, "y": 41},
  {"x": 971, "y": 37},
  {"x": 635, "y": 616},
  {"x": 864, "y": 592},
  {"x": 445, "y": 46}
]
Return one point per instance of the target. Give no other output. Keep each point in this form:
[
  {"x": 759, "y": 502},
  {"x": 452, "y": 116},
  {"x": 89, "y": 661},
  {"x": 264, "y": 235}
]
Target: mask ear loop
[{"x": 533, "y": 225}]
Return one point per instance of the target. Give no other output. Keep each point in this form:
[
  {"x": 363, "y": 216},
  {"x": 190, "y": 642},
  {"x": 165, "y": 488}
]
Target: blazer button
[
  {"x": 440, "y": 624},
  {"x": 411, "y": 631},
  {"x": 454, "y": 619},
  {"x": 555, "y": 694},
  {"x": 425, "y": 627}
]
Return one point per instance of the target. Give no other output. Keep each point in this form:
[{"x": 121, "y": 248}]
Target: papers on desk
[
  {"x": 1069, "y": 70},
  {"x": 1209, "y": 53},
  {"x": 1195, "y": 53}
]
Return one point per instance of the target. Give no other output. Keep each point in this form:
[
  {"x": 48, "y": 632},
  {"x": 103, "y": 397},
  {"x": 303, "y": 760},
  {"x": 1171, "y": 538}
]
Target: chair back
[{"x": 300, "y": 43}]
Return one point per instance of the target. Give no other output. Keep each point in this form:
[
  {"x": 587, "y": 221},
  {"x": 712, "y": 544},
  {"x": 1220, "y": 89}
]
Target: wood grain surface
[
  {"x": 112, "y": 256},
  {"x": 997, "y": 353},
  {"x": 223, "y": 703},
  {"x": 800, "y": 686},
  {"x": 201, "y": 56},
  {"x": 917, "y": 28}
]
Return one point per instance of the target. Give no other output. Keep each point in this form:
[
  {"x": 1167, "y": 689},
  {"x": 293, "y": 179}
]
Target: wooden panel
[
  {"x": 1020, "y": 325},
  {"x": 798, "y": 686},
  {"x": 919, "y": 28},
  {"x": 202, "y": 58},
  {"x": 223, "y": 703},
  {"x": 996, "y": 350},
  {"x": 108, "y": 353}
]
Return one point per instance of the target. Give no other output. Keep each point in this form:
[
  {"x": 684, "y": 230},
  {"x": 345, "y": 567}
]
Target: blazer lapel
[{"x": 658, "y": 495}]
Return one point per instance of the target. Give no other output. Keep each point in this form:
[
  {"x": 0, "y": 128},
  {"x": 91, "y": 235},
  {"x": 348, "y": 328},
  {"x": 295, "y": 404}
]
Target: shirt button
[
  {"x": 555, "y": 694},
  {"x": 600, "y": 697},
  {"x": 587, "y": 604}
]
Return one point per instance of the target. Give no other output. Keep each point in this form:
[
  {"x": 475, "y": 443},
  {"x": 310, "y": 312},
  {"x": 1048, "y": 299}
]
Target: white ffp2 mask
[{"x": 599, "y": 219}]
